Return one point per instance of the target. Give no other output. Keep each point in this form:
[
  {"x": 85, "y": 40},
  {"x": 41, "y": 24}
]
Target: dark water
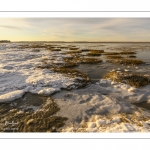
[{"x": 97, "y": 71}]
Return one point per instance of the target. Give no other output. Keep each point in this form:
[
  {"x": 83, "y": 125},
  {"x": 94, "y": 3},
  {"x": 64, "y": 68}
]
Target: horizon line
[{"x": 89, "y": 41}]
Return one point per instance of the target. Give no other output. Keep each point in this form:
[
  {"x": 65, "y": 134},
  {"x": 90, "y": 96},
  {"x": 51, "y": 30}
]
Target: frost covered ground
[
  {"x": 104, "y": 106},
  {"x": 19, "y": 73}
]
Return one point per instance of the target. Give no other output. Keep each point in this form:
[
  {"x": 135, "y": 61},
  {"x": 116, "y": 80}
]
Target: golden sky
[{"x": 75, "y": 29}]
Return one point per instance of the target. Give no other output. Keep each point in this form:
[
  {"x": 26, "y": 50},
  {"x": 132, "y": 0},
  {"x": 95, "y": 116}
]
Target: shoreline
[{"x": 97, "y": 103}]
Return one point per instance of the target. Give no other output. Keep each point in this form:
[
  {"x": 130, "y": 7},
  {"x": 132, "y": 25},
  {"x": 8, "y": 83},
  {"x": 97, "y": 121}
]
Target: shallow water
[
  {"x": 144, "y": 55},
  {"x": 97, "y": 71}
]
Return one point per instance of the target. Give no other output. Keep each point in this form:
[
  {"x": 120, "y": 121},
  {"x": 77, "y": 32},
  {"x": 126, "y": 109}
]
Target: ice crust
[
  {"x": 11, "y": 96},
  {"x": 18, "y": 71},
  {"x": 99, "y": 100},
  {"x": 85, "y": 108}
]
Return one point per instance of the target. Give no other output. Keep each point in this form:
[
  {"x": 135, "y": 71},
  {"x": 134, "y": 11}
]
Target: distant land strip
[{"x": 80, "y": 42}]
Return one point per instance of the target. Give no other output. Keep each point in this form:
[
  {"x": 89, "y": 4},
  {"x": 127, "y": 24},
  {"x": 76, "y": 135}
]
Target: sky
[{"x": 75, "y": 29}]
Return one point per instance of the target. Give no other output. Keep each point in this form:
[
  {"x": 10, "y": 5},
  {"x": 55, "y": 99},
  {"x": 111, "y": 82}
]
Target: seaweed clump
[
  {"x": 135, "y": 80},
  {"x": 131, "y": 56},
  {"x": 74, "y": 51},
  {"x": 126, "y": 61},
  {"x": 67, "y": 69},
  {"x": 21, "y": 117},
  {"x": 95, "y": 52},
  {"x": 73, "y": 48},
  {"x": 55, "y": 49},
  {"x": 85, "y": 50},
  {"x": 111, "y": 53},
  {"x": 68, "y": 63},
  {"x": 82, "y": 60},
  {"x": 80, "y": 78},
  {"x": 113, "y": 56},
  {"x": 127, "y": 52}
]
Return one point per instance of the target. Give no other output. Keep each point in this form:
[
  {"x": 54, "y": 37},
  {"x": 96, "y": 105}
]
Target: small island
[{"x": 4, "y": 41}]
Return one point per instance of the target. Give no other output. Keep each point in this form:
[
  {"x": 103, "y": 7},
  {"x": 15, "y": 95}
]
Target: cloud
[
  {"x": 10, "y": 27},
  {"x": 79, "y": 28}
]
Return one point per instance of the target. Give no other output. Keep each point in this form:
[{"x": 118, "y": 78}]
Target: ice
[
  {"x": 48, "y": 91},
  {"x": 98, "y": 107},
  {"x": 19, "y": 71},
  {"x": 100, "y": 122},
  {"x": 116, "y": 119},
  {"x": 146, "y": 75},
  {"x": 132, "y": 89},
  {"x": 91, "y": 124},
  {"x": 70, "y": 129},
  {"x": 101, "y": 101},
  {"x": 123, "y": 127},
  {"x": 103, "y": 83},
  {"x": 11, "y": 96},
  {"x": 137, "y": 98},
  {"x": 113, "y": 83},
  {"x": 91, "y": 130},
  {"x": 126, "y": 70},
  {"x": 124, "y": 87}
]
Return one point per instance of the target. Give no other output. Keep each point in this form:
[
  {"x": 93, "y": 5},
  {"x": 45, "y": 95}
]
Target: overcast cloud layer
[{"x": 75, "y": 29}]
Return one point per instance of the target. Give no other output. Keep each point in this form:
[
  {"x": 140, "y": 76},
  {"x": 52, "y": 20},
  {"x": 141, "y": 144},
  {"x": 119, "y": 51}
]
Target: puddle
[{"x": 94, "y": 72}]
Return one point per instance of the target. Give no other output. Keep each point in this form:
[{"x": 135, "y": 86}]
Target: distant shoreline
[
  {"x": 5, "y": 41},
  {"x": 71, "y": 42}
]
